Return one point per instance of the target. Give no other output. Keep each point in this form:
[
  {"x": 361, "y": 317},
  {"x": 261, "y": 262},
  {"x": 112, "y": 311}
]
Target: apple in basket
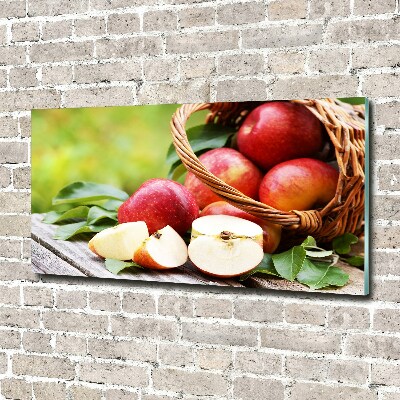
[
  {"x": 231, "y": 167},
  {"x": 300, "y": 184},
  {"x": 279, "y": 131},
  {"x": 271, "y": 232},
  {"x": 224, "y": 246},
  {"x": 160, "y": 202}
]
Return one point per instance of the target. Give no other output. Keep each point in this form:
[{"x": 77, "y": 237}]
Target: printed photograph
[{"x": 270, "y": 195}]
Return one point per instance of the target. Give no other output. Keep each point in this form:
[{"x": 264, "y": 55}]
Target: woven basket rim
[{"x": 345, "y": 126}]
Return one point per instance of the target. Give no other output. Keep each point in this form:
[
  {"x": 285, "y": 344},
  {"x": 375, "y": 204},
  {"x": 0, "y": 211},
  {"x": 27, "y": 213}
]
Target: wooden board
[
  {"x": 56, "y": 257},
  {"x": 44, "y": 257},
  {"x": 74, "y": 258}
]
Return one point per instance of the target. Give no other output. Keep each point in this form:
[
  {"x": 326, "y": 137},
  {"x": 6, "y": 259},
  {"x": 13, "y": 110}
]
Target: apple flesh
[
  {"x": 301, "y": 184},
  {"x": 231, "y": 167},
  {"x": 119, "y": 242},
  {"x": 164, "y": 249},
  {"x": 161, "y": 202},
  {"x": 278, "y": 131},
  {"x": 271, "y": 232},
  {"x": 224, "y": 246}
]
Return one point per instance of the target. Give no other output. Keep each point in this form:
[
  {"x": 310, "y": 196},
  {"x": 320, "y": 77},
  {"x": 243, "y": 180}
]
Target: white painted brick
[
  {"x": 53, "y": 75},
  {"x": 95, "y": 26},
  {"x": 286, "y": 62},
  {"x": 282, "y": 36},
  {"x": 329, "y": 8},
  {"x": 329, "y": 61},
  {"x": 56, "y": 7},
  {"x": 45, "y": 390},
  {"x": 166, "y": 342},
  {"x": 190, "y": 17},
  {"x": 241, "y": 90},
  {"x": 25, "y": 32},
  {"x": 119, "y": 24},
  {"x": 117, "y": 374},
  {"x": 107, "y": 96},
  {"x": 367, "y": 7},
  {"x": 199, "y": 67},
  {"x": 159, "y": 21},
  {"x": 107, "y": 72},
  {"x": 128, "y": 47},
  {"x": 241, "y": 13},
  {"x": 56, "y": 29},
  {"x": 283, "y": 9},
  {"x": 12, "y": 8},
  {"x": 56, "y": 52},
  {"x": 23, "y": 77},
  {"x": 26, "y": 100},
  {"x": 246, "y": 64},
  {"x": 158, "y": 69}
]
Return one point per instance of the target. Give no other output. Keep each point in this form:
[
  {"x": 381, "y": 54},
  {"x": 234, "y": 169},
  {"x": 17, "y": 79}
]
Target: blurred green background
[{"x": 120, "y": 146}]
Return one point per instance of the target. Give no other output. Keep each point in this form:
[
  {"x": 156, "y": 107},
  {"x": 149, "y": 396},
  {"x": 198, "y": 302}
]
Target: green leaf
[
  {"x": 318, "y": 275},
  {"x": 53, "y": 217},
  {"x": 342, "y": 244},
  {"x": 309, "y": 242},
  {"x": 203, "y": 137},
  {"x": 356, "y": 261},
  {"x": 65, "y": 232},
  {"x": 265, "y": 267},
  {"x": 176, "y": 171},
  {"x": 319, "y": 253},
  {"x": 312, "y": 250},
  {"x": 112, "y": 205},
  {"x": 289, "y": 263},
  {"x": 86, "y": 192},
  {"x": 116, "y": 266},
  {"x": 97, "y": 214}
]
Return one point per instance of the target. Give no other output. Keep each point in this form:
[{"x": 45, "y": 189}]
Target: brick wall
[{"x": 64, "y": 338}]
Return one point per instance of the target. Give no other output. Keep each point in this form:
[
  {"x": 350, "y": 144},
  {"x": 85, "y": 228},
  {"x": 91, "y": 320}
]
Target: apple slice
[
  {"x": 164, "y": 249},
  {"x": 119, "y": 242},
  {"x": 225, "y": 246}
]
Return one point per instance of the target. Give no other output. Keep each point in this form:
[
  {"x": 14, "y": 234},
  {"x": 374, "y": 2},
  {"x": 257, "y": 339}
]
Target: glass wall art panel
[{"x": 269, "y": 195}]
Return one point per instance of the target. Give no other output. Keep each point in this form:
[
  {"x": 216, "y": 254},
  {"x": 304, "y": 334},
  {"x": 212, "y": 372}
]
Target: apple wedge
[
  {"x": 224, "y": 246},
  {"x": 119, "y": 242},
  {"x": 164, "y": 249}
]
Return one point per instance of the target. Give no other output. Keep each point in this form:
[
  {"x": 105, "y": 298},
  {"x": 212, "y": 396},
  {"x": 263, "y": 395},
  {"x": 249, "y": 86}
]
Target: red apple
[
  {"x": 271, "y": 232},
  {"x": 164, "y": 249},
  {"x": 231, "y": 167},
  {"x": 160, "y": 202},
  {"x": 301, "y": 184},
  {"x": 278, "y": 131}
]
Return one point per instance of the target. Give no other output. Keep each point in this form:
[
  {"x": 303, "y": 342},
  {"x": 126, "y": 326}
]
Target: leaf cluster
[
  {"x": 84, "y": 207},
  {"x": 309, "y": 264},
  {"x": 201, "y": 138}
]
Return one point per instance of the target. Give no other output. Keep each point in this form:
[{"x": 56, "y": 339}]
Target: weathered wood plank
[
  {"x": 74, "y": 258},
  {"x": 76, "y": 254},
  {"x": 43, "y": 259}
]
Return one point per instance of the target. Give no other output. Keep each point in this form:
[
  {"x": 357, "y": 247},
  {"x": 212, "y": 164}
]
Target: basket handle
[{"x": 311, "y": 220}]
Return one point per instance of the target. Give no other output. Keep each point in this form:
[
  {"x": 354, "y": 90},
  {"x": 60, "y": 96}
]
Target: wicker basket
[{"x": 346, "y": 129}]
